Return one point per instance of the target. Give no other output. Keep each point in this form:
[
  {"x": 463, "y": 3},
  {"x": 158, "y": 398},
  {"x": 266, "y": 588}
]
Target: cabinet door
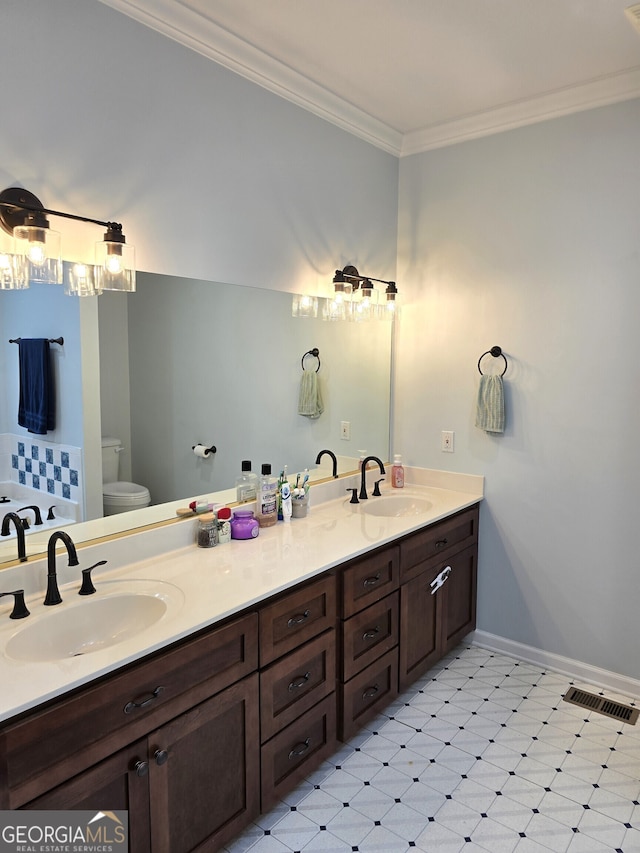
[
  {"x": 421, "y": 624},
  {"x": 204, "y": 775},
  {"x": 459, "y": 594},
  {"x": 119, "y": 782}
]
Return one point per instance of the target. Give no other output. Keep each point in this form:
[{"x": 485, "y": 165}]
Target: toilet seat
[
  {"x": 123, "y": 490},
  {"x": 122, "y": 496}
]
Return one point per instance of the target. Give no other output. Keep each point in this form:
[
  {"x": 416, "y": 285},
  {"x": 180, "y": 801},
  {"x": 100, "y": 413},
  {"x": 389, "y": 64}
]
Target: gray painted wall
[{"x": 529, "y": 240}]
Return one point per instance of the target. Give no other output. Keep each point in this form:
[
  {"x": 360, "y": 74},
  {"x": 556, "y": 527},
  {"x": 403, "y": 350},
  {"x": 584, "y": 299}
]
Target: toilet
[{"x": 117, "y": 495}]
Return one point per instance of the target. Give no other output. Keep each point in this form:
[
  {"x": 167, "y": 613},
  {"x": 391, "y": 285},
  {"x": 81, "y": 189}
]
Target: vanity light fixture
[
  {"x": 348, "y": 280},
  {"x": 35, "y": 256}
]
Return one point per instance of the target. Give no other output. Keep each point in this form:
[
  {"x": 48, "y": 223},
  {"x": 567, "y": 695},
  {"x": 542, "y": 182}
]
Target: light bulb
[
  {"x": 113, "y": 264},
  {"x": 37, "y": 254}
]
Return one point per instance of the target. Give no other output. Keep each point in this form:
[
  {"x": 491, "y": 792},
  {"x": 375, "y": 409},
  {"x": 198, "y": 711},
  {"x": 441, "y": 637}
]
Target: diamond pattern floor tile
[{"x": 480, "y": 755}]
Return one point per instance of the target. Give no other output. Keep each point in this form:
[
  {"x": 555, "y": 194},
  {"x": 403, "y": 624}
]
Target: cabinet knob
[
  {"x": 297, "y": 683},
  {"x": 141, "y": 768},
  {"x": 298, "y": 619},
  {"x": 371, "y": 634},
  {"x": 161, "y": 756},
  {"x": 370, "y": 692},
  {"x": 300, "y": 749},
  {"x": 371, "y": 581},
  {"x": 440, "y": 543}
]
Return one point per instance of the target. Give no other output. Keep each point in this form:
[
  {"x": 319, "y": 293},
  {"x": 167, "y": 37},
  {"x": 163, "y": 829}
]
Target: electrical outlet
[
  {"x": 447, "y": 440},
  {"x": 345, "y": 430}
]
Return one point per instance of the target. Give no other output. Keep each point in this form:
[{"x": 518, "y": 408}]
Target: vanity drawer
[
  {"x": 444, "y": 538},
  {"x": 295, "y": 751},
  {"x": 369, "y": 634},
  {"x": 95, "y": 721},
  {"x": 295, "y": 683},
  {"x": 296, "y": 618},
  {"x": 369, "y": 580},
  {"x": 368, "y": 693}
]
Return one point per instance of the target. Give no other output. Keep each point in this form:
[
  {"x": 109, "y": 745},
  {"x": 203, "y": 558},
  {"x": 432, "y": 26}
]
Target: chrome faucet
[
  {"x": 17, "y": 523},
  {"x": 53, "y": 593},
  {"x": 334, "y": 461},
  {"x": 363, "y": 470}
]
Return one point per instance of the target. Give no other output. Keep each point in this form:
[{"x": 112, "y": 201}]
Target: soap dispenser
[{"x": 397, "y": 473}]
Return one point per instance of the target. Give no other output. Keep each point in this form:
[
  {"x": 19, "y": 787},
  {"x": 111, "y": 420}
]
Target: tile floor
[{"x": 479, "y": 755}]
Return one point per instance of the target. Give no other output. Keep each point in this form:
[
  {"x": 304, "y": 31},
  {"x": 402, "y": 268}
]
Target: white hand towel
[{"x": 490, "y": 406}]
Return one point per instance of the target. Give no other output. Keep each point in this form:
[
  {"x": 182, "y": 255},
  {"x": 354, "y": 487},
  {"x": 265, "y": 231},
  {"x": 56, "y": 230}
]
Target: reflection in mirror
[{"x": 183, "y": 362}]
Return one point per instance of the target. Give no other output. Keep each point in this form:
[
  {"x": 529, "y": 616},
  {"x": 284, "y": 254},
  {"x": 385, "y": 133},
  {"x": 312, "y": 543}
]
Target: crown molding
[
  {"x": 573, "y": 99},
  {"x": 174, "y": 19}
]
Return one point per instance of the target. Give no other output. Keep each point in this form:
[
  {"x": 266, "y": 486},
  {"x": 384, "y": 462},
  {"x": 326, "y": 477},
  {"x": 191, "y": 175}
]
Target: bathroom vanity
[{"x": 196, "y": 735}]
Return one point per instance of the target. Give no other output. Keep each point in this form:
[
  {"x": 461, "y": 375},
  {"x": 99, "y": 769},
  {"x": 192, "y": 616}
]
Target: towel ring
[
  {"x": 496, "y": 352},
  {"x": 315, "y": 352}
]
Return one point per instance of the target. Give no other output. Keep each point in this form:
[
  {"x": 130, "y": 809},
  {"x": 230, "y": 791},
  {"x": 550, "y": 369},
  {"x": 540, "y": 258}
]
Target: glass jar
[
  {"x": 207, "y": 532},
  {"x": 244, "y": 525}
]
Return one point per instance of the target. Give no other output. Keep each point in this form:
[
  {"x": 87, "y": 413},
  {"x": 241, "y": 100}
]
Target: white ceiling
[{"x": 409, "y": 75}]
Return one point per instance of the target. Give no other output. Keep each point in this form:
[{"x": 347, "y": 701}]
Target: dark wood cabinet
[
  {"x": 117, "y": 783},
  {"x": 196, "y": 739},
  {"x": 369, "y": 630},
  {"x": 193, "y": 781},
  {"x": 297, "y": 685},
  {"x": 438, "y": 595}
]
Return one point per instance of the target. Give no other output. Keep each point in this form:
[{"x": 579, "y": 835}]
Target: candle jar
[{"x": 244, "y": 525}]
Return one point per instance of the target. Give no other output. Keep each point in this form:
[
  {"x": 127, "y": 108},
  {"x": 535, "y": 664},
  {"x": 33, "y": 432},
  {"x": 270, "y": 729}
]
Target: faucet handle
[
  {"x": 87, "y": 587},
  {"x": 354, "y": 496},
  {"x": 376, "y": 487},
  {"x": 19, "y": 607}
]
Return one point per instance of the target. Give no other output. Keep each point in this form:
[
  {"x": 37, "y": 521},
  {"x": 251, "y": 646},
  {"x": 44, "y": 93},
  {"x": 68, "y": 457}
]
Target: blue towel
[
  {"x": 37, "y": 405},
  {"x": 490, "y": 405}
]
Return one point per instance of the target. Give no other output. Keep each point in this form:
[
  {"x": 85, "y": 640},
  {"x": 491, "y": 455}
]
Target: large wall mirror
[{"x": 184, "y": 361}]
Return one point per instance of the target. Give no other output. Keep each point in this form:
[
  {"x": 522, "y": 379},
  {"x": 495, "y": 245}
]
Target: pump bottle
[{"x": 397, "y": 473}]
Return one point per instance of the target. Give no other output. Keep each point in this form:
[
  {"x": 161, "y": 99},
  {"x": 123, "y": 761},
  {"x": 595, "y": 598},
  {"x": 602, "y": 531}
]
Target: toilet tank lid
[{"x": 107, "y": 441}]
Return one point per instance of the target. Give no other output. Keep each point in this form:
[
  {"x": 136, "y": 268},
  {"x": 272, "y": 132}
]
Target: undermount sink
[
  {"x": 396, "y": 506},
  {"x": 117, "y": 612}
]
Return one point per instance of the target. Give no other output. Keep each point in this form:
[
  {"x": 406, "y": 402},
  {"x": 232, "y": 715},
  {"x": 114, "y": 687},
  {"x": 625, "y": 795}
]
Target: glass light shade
[
  {"x": 40, "y": 249},
  {"x": 115, "y": 267},
  {"x": 80, "y": 280},
  {"x": 365, "y": 306},
  {"x": 304, "y": 306},
  {"x": 335, "y": 309},
  {"x": 12, "y": 268}
]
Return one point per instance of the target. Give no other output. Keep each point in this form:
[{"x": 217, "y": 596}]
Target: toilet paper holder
[{"x": 202, "y": 451}]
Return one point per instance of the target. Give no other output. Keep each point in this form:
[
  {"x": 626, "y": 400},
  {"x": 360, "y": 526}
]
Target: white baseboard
[{"x": 576, "y": 669}]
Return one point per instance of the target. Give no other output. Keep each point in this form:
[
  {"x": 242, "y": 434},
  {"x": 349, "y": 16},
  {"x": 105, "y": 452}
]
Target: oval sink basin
[
  {"x": 396, "y": 506},
  {"x": 93, "y": 623}
]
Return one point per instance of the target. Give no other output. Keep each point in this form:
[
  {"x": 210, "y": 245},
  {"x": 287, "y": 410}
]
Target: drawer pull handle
[
  {"x": 440, "y": 543},
  {"x": 438, "y": 581},
  {"x": 370, "y": 692},
  {"x": 161, "y": 756},
  {"x": 371, "y": 581},
  {"x": 141, "y": 768},
  {"x": 299, "y": 619},
  {"x": 296, "y": 684},
  {"x": 142, "y": 703},
  {"x": 371, "y": 634},
  {"x": 299, "y": 749}
]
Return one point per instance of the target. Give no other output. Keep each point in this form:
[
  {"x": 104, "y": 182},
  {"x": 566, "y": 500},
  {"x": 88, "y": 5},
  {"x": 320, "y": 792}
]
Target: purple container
[{"x": 244, "y": 525}]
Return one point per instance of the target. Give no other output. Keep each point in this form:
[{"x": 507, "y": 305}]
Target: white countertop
[{"x": 209, "y": 584}]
